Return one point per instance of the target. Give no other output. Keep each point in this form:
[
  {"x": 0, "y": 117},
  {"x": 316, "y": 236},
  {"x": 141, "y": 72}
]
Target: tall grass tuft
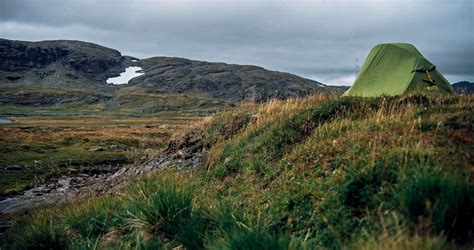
[
  {"x": 92, "y": 218},
  {"x": 240, "y": 232},
  {"x": 390, "y": 232},
  {"x": 433, "y": 201},
  {"x": 162, "y": 207},
  {"x": 255, "y": 239},
  {"x": 42, "y": 232}
]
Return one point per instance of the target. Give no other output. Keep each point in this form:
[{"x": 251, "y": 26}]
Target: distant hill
[
  {"x": 52, "y": 73},
  {"x": 343, "y": 87},
  {"x": 464, "y": 87}
]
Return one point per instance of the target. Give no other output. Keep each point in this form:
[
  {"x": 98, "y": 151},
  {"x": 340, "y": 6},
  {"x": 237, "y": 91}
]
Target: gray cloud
[{"x": 316, "y": 39}]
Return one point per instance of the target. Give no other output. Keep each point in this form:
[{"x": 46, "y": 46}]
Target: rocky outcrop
[
  {"x": 59, "y": 63},
  {"x": 23, "y": 56}
]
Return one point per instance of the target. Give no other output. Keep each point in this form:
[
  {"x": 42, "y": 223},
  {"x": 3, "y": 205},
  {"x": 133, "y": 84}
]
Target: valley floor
[
  {"x": 36, "y": 147},
  {"x": 317, "y": 172}
]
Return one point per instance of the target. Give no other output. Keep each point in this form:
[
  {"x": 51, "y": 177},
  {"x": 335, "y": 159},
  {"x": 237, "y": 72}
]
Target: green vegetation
[
  {"x": 321, "y": 171},
  {"x": 130, "y": 101}
]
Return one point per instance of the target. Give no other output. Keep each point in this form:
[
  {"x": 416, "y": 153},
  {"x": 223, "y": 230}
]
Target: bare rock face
[{"x": 19, "y": 57}]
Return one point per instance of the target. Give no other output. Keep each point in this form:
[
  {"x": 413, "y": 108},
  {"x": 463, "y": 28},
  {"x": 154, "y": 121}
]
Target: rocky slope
[
  {"x": 221, "y": 80},
  {"x": 58, "y": 63}
]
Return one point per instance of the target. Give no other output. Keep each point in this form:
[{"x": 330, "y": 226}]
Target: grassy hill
[{"x": 321, "y": 171}]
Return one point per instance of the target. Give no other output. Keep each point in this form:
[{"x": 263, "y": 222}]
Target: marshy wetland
[{"x": 34, "y": 148}]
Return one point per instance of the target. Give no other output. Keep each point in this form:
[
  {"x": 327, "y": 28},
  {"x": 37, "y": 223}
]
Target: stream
[
  {"x": 58, "y": 189},
  {"x": 76, "y": 186}
]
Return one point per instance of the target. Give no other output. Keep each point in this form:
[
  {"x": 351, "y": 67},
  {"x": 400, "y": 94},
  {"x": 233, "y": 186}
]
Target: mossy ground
[
  {"x": 322, "y": 171},
  {"x": 51, "y": 145}
]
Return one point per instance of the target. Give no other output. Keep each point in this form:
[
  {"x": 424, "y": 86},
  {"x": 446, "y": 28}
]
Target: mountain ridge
[
  {"x": 463, "y": 87},
  {"x": 78, "y": 65}
]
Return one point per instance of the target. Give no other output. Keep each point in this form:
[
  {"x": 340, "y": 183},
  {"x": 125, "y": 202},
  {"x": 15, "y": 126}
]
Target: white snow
[
  {"x": 134, "y": 60},
  {"x": 125, "y": 77}
]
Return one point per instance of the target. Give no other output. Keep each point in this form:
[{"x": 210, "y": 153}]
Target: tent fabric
[{"x": 396, "y": 68}]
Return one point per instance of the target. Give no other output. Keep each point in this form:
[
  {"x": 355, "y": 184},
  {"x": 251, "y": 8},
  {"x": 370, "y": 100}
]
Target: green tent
[{"x": 396, "y": 68}]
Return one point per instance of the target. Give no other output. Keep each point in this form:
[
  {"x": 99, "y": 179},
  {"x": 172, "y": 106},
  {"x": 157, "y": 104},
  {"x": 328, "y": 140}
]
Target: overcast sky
[{"x": 320, "y": 40}]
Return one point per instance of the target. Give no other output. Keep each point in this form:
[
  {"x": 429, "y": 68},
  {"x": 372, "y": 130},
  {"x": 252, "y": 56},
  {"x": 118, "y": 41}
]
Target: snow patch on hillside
[{"x": 125, "y": 77}]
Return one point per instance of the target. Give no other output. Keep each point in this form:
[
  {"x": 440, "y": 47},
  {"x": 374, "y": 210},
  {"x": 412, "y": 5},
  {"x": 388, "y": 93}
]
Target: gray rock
[
  {"x": 14, "y": 167},
  {"x": 148, "y": 151},
  {"x": 96, "y": 149},
  {"x": 119, "y": 147}
]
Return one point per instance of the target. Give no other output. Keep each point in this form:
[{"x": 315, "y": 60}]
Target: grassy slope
[
  {"x": 124, "y": 102},
  {"x": 320, "y": 171}
]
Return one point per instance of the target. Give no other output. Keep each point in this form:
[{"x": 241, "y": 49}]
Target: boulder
[
  {"x": 119, "y": 147},
  {"x": 14, "y": 167}
]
